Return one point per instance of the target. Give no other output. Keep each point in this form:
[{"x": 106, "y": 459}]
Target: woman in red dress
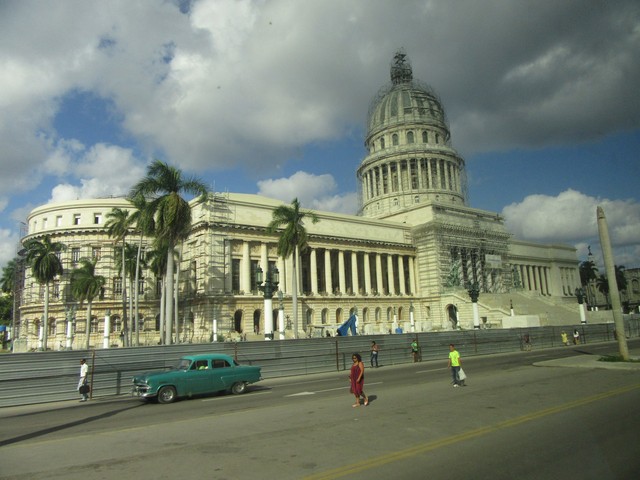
[{"x": 357, "y": 380}]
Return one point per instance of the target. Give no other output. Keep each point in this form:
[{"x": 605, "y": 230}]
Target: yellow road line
[{"x": 370, "y": 463}]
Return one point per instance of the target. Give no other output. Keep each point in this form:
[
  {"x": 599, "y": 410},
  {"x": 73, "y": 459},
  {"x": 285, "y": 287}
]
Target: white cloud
[
  {"x": 570, "y": 217},
  {"x": 8, "y": 245},
  {"x": 313, "y": 191}
]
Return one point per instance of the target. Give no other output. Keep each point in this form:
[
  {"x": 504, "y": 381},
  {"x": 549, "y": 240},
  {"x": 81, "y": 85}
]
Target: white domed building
[{"x": 409, "y": 261}]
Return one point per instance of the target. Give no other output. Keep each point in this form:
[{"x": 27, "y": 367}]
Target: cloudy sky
[{"x": 271, "y": 97}]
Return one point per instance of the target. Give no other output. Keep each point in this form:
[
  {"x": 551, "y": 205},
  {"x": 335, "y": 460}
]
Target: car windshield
[{"x": 183, "y": 364}]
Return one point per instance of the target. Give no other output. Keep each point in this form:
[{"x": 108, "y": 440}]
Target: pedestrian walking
[
  {"x": 356, "y": 377},
  {"x": 576, "y": 337},
  {"x": 374, "y": 353},
  {"x": 415, "y": 350},
  {"x": 526, "y": 341},
  {"x": 83, "y": 383},
  {"x": 564, "y": 338},
  {"x": 454, "y": 364}
]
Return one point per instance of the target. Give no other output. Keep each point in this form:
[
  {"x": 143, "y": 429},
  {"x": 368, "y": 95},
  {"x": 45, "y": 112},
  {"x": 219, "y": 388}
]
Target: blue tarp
[{"x": 350, "y": 324}]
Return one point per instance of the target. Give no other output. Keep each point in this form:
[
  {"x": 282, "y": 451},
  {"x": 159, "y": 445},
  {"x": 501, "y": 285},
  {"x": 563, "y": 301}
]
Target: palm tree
[
  {"x": 118, "y": 224},
  {"x": 43, "y": 258},
  {"x": 157, "y": 260},
  {"x": 163, "y": 187},
  {"x": 292, "y": 241},
  {"x": 145, "y": 225},
  {"x": 86, "y": 286},
  {"x": 588, "y": 274},
  {"x": 7, "y": 281},
  {"x": 602, "y": 284},
  {"x": 130, "y": 266}
]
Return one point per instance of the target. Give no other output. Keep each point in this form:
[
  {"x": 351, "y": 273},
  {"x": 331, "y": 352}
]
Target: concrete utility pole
[{"x": 609, "y": 266}]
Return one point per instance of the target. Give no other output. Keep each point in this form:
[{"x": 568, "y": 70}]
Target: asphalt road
[{"x": 515, "y": 419}]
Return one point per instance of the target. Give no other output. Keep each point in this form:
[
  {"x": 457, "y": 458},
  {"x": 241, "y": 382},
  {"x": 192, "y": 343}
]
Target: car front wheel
[
  {"x": 166, "y": 395},
  {"x": 239, "y": 388}
]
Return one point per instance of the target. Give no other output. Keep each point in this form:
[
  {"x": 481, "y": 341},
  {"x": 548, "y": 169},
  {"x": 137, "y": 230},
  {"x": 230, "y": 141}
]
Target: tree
[
  {"x": 157, "y": 260},
  {"x": 145, "y": 225},
  {"x": 588, "y": 272},
  {"x": 7, "y": 282},
  {"x": 130, "y": 265},
  {"x": 44, "y": 260},
  {"x": 118, "y": 224},
  {"x": 162, "y": 187},
  {"x": 86, "y": 286},
  {"x": 602, "y": 284},
  {"x": 292, "y": 241}
]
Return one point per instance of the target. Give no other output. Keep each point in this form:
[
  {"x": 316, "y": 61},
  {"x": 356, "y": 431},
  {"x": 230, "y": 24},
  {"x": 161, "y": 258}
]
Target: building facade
[{"x": 405, "y": 263}]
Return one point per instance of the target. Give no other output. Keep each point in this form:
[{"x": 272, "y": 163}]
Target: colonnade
[
  {"x": 332, "y": 271},
  {"x": 411, "y": 174},
  {"x": 534, "y": 278}
]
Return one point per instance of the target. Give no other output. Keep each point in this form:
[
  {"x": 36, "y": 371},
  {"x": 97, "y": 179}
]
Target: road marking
[
  {"x": 221, "y": 398},
  {"x": 371, "y": 463},
  {"x": 432, "y": 370}
]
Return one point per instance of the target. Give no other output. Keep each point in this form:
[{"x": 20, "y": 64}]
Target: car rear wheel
[
  {"x": 238, "y": 388},
  {"x": 166, "y": 395}
]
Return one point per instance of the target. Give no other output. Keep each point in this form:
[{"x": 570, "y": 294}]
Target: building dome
[
  {"x": 410, "y": 161},
  {"x": 405, "y": 100}
]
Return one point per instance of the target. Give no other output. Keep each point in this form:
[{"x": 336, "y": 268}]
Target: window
[
  {"x": 59, "y": 221},
  {"x": 56, "y": 290},
  {"x": 219, "y": 363},
  {"x": 75, "y": 255},
  {"x": 95, "y": 253},
  {"x": 382, "y": 142},
  {"x": 76, "y": 219},
  {"x": 97, "y": 218},
  {"x": 410, "y": 138},
  {"x": 235, "y": 275},
  {"x": 140, "y": 286},
  {"x": 117, "y": 286},
  {"x": 200, "y": 365},
  {"x": 425, "y": 137},
  {"x": 394, "y": 139},
  {"x": 437, "y": 138},
  {"x": 44, "y": 223}
]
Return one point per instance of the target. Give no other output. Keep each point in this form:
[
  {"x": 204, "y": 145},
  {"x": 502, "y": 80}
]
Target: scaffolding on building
[{"x": 472, "y": 253}]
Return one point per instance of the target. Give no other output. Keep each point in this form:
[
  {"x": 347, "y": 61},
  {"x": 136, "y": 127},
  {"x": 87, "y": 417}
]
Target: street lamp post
[
  {"x": 474, "y": 292},
  {"x": 281, "y": 315},
  {"x": 580, "y": 294},
  {"x": 269, "y": 287}
]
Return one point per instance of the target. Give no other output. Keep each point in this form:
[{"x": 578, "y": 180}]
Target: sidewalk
[{"x": 588, "y": 360}]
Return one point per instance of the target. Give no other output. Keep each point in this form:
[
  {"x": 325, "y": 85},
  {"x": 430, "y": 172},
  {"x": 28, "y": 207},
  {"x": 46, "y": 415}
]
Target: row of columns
[
  {"x": 395, "y": 264},
  {"x": 397, "y": 176},
  {"x": 534, "y": 278}
]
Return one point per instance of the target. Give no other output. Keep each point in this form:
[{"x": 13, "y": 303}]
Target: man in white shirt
[{"x": 83, "y": 386}]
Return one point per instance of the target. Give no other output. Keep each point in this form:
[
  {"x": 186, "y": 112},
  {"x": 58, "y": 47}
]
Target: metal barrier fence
[{"x": 29, "y": 378}]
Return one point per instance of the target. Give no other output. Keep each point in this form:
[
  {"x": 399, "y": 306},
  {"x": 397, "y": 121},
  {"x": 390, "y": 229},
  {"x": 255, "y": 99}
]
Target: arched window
[
  {"x": 410, "y": 138},
  {"x": 378, "y": 314},
  {"x": 394, "y": 139},
  {"x": 324, "y": 315},
  {"x": 237, "y": 321},
  {"x": 425, "y": 137},
  {"x": 437, "y": 139},
  {"x": 339, "y": 316},
  {"x": 256, "y": 320},
  {"x": 382, "y": 142}
]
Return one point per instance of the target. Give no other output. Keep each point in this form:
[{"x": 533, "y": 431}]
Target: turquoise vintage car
[{"x": 196, "y": 375}]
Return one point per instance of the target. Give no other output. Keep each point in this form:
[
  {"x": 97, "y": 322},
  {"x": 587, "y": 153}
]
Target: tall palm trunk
[
  {"x": 176, "y": 297},
  {"x": 88, "y": 328},
  {"x": 294, "y": 278},
  {"x": 133, "y": 320},
  {"x": 136, "y": 292},
  {"x": 124, "y": 297},
  {"x": 45, "y": 320},
  {"x": 163, "y": 288},
  {"x": 169, "y": 297}
]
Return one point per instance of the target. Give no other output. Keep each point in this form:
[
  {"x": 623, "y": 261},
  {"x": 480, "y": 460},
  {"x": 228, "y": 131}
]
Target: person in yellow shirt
[{"x": 454, "y": 364}]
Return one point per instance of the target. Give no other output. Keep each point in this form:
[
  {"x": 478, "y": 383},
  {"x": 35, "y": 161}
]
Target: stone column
[
  {"x": 354, "y": 273},
  {"x": 379, "y": 283},
  {"x": 367, "y": 274},
  {"x": 412, "y": 276},
  {"x": 327, "y": 271},
  {"x": 284, "y": 275},
  {"x": 314, "y": 271},
  {"x": 264, "y": 260},
  {"x": 245, "y": 277},
  {"x": 392, "y": 287},
  {"x": 403, "y": 289},
  {"x": 342, "y": 284}
]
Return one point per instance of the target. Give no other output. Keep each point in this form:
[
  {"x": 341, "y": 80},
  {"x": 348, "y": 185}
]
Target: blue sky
[{"x": 272, "y": 98}]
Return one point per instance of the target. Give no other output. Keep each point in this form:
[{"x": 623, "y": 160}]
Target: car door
[
  {"x": 223, "y": 374},
  {"x": 198, "y": 377}
]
